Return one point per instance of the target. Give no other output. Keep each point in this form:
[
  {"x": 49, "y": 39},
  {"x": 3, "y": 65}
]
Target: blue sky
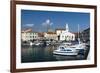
[{"x": 37, "y": 20}]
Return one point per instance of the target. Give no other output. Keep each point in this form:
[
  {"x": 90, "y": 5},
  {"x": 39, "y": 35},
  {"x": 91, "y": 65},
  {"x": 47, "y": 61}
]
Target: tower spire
[{"x": 67, "y": 28}]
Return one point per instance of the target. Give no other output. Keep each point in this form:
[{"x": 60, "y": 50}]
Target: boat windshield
[{"x": 62, "y": 48}]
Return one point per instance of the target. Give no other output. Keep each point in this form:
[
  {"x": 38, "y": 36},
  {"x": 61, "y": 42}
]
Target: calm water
[{"x": 43, "y": 54}]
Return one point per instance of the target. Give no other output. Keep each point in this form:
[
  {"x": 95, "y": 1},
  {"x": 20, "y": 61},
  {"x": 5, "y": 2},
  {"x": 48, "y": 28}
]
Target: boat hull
[{"x": 65, "y": 53}]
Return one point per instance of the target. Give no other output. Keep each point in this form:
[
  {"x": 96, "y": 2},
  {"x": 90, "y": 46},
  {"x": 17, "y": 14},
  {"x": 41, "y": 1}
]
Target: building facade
[
  {"x": 41, "y": 36},
  {"x": 59, "y": 31}
]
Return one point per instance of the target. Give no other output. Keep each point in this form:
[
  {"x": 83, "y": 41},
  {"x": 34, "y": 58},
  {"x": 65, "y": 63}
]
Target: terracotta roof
[
  {"x": 51, "y": 33},
  {"x": 27, "y": 30}
]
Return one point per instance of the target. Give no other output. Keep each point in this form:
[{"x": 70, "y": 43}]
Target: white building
[
  {"x": 66, "y": 35},
  {"x": 58, "y": 32},
  {"x": 29, "y": 35}
]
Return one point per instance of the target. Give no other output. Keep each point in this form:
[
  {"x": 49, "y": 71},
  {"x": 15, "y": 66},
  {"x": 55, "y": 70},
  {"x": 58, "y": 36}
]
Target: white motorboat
[
  {"x": 69, "y": 50},
  {"x": 63, "y": 50}
]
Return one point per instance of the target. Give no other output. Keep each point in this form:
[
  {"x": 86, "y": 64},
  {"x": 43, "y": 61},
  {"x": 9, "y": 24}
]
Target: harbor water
[{"x": 45, "y": 54}]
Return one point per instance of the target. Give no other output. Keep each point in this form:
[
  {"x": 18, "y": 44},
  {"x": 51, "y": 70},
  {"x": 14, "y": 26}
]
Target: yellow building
[{"x": 50, "y": 36}]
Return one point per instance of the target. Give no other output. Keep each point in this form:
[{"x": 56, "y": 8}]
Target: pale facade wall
[
  {"x": 58, "y": 32},
  {"x": 29, "y": 36}
]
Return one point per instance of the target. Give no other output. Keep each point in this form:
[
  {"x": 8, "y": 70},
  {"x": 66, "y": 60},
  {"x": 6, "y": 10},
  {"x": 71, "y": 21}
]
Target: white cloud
[
  {"x": 44, "y": 24},
  {"x": 29, "y": 25},
  {"x": 47, "y": 22}
]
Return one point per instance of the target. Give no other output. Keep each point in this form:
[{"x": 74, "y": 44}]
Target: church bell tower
[{"x": 67, "y": 28}]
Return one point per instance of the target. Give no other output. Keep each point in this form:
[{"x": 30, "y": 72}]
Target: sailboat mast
[
  {"x": 78, "y": 31},
  {"x": 78, "y": 34}
]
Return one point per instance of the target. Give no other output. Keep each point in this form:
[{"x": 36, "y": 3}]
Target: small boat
[
  {"x": 31, "y": 43},
  {"x": 37, "y": 44}
]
